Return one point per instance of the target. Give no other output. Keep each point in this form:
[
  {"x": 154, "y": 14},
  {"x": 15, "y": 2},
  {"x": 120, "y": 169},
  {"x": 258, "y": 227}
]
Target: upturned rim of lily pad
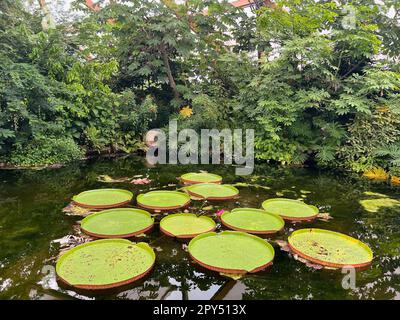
[
  {"x": 356, "y": 242},
  {"x": 132, "y": 211},
  {"x": 196, "y": 194},
  {"x": 293, "y": 218},
  {"x": 226, "y": 270},
  {"x": 190, "y": 178},
  {"x": 81, "y": 203},
  {"x": 141, "y": 204},
  {"x": 105, "y": 286},
  {"x": 187, "y": 235},
  {"x": 252, "y": 231}
]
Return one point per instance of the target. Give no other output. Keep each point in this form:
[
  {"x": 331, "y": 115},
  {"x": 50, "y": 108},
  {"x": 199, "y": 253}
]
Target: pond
[{"x": 31, "y": 217}]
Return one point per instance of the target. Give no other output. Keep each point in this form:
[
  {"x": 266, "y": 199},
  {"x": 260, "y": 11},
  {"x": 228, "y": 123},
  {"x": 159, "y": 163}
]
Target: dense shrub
[{"x": 46, "y": 151}]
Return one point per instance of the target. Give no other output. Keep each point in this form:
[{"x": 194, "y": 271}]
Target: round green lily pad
[
  {"x": 291, "y": 210},
  {"x": 186, "y": 225},
  {"x": 163, "y": 200},
  {"x": 105, "y": 264},
  {"x": 201, "y": 177},
  {"x": 330, "y": 248},
  {"x": 231, "y": 252},
  {"x": 103, "y": 198},
  {"x": 251, "y": 220},
  {"x": 211, "y": 191},
  {"x": 117, "y": 223}
]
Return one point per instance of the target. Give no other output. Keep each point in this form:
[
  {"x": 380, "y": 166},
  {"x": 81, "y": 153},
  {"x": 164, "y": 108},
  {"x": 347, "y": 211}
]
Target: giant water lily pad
[
  {"x": 163, "y": 200},
  {"x": 105, "y": 264},
  {"x": 103, "y": 198},
  {"x": 200, "y": 177},
  {"x": 186, "y": 225},
  {"x": 331, "y": 249},
  {"x": 374, "y": 205},
  {"x": 231, "y": 252},
  {"x": 251, "y": 220},
  {"x": 291, "y": 210},
  {"x": 210, "y": 191},
  {"x": 117, "y": 223}
]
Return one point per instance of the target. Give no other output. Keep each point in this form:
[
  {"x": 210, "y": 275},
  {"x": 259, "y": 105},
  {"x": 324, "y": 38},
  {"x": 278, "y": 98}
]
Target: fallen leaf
[
  {"x": 74, "y": 210},
  {"x": 324, "y": 216}
]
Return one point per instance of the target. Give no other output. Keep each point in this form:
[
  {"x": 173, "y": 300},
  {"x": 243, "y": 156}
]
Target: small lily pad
[
  {"x": 330, "y": 248},
  {"x": 254, "y": 221},
  {"x": 163, "y": 200},
  {"x": 103, "y": 198},
  {"x": 231, "y": 252},
  {"x": 105, "y": 264},
  {"x": 186, "y": 225},
  {"x": 291, "y": 210},
  {"x": 209, "y": 191},
  {"x": 373, "y": 205},
  {"x": 117, "y": 223},
  {"x": 201, "y": 177}
]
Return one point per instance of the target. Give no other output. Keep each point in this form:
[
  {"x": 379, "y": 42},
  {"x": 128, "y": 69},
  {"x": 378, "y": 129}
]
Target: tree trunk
[
  {"x": 171, "y": 79},
  {"x": 47, "y": 21}
]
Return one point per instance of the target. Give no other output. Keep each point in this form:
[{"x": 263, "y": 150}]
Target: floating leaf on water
[
  {"x": 289, "y": 209},
  {"x": 103, "y": 198},
  {"x": 211, "y": 191},
  {"x": 163, "y": 200},
  {"x": 329, "y": 248},
  {"x": 108, "y": 179},
  {"x": 117, "y": 223},
  {"x": 249, "y": 185},
  {"x": 202, "y": 177},
  {"x": 256, "y": 221},
  {"x": 375, "y": 194},
  {"x": 324, "y": 216},
  {"x": 373, "y": 205},
  {"x": 105, "y": 264},
  {"x": 231, "y": 252},
  {"x": 233, "y": 276},
  {"x": 186, "y": 225},
  {"x": 376, "y": 174},
  {"x": 73, "y": 210}
]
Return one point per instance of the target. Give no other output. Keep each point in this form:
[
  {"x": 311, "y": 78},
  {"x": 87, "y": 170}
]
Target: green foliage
[{"x": 46, "y": 151}]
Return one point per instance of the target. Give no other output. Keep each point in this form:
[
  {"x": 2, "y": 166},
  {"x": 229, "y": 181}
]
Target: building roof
[
  {"x": 241, "y": 3},
  {"x": 246, "y": 3}
]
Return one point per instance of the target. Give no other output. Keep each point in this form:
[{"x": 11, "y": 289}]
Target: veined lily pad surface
[
  {"x": 330, "y": 248},
  {"x": 200, "y": 177},
  {"x": 251, "y": 220},
  {"x": 117, "y": 223},
  {"x": 103, "y": 198},
  {"x": 104, "y": 264},
  {"x": 163, "y": 200},
  {"x": 211, "y": 191},
  {"x": 292, "y": 210},
  {"x": 231, "y": 252},
  {"x": 186, "y": 225}
]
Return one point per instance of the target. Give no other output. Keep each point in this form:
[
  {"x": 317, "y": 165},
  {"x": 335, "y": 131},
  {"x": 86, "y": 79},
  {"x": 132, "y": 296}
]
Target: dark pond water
[{"x": 31, "y": 216}]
